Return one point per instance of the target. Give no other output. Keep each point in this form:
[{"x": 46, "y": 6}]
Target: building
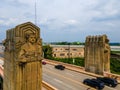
[
  {"x": 67, "y": 51},
  {"x": 115, "y": 48}
]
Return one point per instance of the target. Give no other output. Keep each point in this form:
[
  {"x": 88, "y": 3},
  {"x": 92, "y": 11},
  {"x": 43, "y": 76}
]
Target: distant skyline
[{"x": 63, "y": 20}]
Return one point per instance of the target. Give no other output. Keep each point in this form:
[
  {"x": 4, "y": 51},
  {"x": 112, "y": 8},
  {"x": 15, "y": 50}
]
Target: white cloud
[
  {"x": 56, "y": 15},
  {"x": 71, "y": 22}
]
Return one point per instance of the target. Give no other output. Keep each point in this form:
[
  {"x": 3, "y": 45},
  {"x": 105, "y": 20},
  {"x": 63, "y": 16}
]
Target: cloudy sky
[{"x": 64, "y": 20}]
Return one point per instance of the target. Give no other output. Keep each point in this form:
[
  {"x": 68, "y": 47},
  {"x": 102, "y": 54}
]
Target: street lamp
[{"x": 68, "y": 50}]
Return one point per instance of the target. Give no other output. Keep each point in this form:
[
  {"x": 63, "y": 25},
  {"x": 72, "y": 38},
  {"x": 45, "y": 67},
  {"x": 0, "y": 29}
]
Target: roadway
[{"x": 67, "y": 79}]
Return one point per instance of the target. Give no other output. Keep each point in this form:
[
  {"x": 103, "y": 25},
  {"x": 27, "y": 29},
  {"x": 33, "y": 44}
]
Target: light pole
[
  {"x": 73, "y": 60},
  {"x": 68, "y": 50}
]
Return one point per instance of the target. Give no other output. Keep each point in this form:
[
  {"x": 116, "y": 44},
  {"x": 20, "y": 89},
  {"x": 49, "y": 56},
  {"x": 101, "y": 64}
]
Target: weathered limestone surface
[
  {"x": 23, "y": 55},
  {"x": 97, "y": 54}
]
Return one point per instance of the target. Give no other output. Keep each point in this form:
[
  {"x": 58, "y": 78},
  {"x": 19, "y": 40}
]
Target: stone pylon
[
  {"x": 23, "y": 55},
  {"x": 97, "y": 54}
]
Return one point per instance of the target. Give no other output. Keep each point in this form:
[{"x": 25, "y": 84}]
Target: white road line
[
  {"x": 57, "y": 80},
  {"x": 69, "y": 74},
  {"x": 65, "y": 84}
]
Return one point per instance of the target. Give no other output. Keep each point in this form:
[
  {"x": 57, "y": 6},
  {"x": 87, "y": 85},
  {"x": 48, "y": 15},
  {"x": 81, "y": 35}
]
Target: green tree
[
  {"x": 47, "y": 51},
  {"x": 75, "y": 43}
]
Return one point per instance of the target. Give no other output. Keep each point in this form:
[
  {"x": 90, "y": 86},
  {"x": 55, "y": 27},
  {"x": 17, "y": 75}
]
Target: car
[
  {"x": 94, "y": 83},
  {"x": 61, "y": 67},
  {"x": 43, "y": 62},
  {"x": 1, "y": 82},
  {"x": 108, "y": 81}
]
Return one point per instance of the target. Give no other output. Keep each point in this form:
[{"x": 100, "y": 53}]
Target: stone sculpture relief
[
  {"x": 23, "y": 55},
  {"x": 31, "y": 50}
]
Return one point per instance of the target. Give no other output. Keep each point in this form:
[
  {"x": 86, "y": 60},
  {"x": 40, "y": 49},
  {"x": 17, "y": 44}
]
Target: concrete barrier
[
  {"x": 1, "y": 71},
  {"x": 48, "y": 86},
  {"x": 73, "y": 67},
  {"x": 82, "y": 70},
  {"x": 66, "y": 64}
]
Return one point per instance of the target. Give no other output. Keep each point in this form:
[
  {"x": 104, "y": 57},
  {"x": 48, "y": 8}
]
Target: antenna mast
[{"x": 35, "y": 13}]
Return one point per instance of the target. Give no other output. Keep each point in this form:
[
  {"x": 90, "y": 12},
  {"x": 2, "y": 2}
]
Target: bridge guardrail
[
  {"x": 72, "y": 67},
  {"x": 48, "y": 86},
  {"x": 66, "y": 64},
  {"x": 82, "y": 70}
]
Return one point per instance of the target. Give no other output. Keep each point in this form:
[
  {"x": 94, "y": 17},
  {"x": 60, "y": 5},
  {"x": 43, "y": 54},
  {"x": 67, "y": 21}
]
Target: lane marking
[
  {"x": 70, "y": 79},
  {"x": 69, "y": 74},
  {"x": 57, "y": 80}
]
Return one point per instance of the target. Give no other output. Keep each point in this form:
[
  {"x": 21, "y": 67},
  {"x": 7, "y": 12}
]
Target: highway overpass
[{"x": 68, "y": 79}]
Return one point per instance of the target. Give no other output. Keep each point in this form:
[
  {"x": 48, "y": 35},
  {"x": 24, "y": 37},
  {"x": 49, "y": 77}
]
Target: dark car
[
  {"x": 108, "y": 81},
  {"x": 1, "y": 83},
  {"x": 94, "y": 83},
  {"x": 43, "y": 62},
  {"x": 61, "y": 67}
]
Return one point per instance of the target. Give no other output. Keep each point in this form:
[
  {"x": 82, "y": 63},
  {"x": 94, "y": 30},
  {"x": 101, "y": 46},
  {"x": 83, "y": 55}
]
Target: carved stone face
[{"x": 32, "y": 39}]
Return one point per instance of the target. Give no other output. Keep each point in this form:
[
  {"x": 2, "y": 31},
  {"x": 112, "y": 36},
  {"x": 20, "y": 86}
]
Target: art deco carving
[
  {"x": 23, "y": 55},
  {"x": 97, "y": 54}
]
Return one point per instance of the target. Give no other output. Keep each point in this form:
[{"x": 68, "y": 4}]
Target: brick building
[{"x": 67, "y": 51}]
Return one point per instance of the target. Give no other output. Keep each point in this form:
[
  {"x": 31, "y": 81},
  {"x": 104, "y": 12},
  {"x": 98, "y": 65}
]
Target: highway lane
[
  {"x": 67, "y": 79},
  {"x": 61, "y": 81}
]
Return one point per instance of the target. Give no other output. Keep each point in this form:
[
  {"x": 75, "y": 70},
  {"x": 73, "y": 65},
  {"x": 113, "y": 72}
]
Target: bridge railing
[
  {"x": 82, "y": 70},
  {"x": 68, "y": 66},
  {"x": 1, "y": 71},
  {"x": 72, "y": 67},
  {"x": 48, "y": 86}
]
